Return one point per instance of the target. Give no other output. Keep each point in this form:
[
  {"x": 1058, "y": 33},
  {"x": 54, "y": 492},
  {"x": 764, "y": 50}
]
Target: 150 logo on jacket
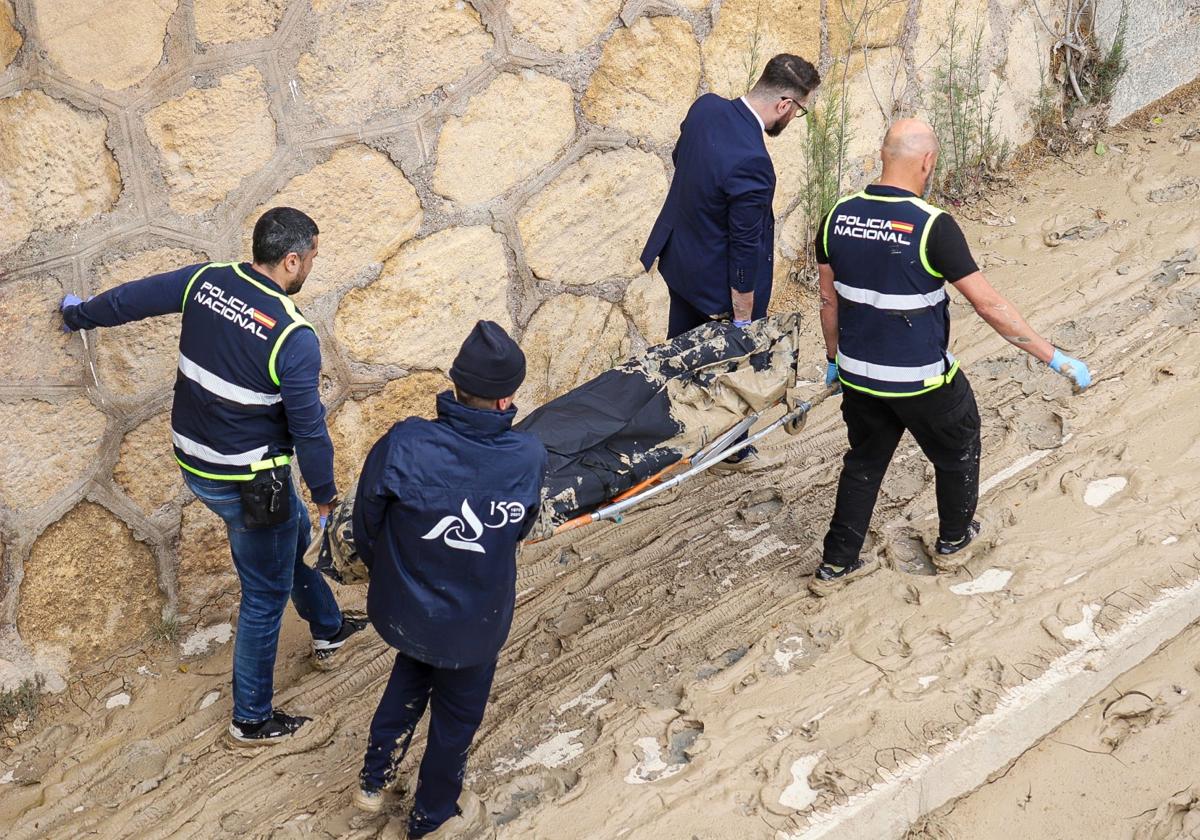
[{"x": 463, "y": 532}]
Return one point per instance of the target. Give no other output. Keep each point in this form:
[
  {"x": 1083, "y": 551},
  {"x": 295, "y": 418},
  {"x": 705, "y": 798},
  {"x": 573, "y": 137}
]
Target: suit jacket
[{"x": 716, "y": 230}]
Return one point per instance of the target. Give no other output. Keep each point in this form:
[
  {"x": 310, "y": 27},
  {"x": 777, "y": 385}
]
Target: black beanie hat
[{"x": 489, "y": 363}]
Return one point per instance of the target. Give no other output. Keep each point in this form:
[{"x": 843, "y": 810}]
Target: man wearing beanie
[{"x": 440, "y": 508}]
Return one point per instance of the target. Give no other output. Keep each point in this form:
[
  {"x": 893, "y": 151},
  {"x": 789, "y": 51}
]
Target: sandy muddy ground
[
  {"x": 673, "y": 678},
  {"x": 1125, "y": 766}
]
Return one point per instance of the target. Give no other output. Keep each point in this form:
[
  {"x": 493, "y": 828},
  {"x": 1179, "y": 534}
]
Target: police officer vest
[
  {"x": 893, "y": 313},
  {"x": 227, "y": 420}
]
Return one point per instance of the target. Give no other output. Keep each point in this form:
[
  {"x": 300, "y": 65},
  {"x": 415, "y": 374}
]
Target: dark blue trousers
[
  {"x": 458, "y": 697},
  {"x": 270, "y": 565}
]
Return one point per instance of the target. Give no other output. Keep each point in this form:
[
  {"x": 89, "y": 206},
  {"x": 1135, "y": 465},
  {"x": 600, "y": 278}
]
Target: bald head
[
  {"x": 909, "y": 154},
  {"x": 909, "y": 139}
]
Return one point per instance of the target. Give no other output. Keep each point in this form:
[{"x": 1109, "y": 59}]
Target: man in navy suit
[{"x": 714, "y": 238}]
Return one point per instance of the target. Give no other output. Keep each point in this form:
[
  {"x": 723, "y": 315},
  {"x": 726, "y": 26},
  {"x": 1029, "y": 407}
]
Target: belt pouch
[{"x": 267, "y": 498}]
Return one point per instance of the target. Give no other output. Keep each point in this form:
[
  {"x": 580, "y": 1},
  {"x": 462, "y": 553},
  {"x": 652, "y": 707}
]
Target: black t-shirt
[{"x": 946, "y": 248}]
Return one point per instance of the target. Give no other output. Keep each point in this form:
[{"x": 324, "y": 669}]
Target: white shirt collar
[{"x": 746, "y": 102}]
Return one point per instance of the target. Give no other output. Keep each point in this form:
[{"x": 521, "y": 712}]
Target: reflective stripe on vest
[
  {"x": 915, "y": 388},
  {"x": 898, "y": 303},
  {"x": 223, "y": 388},
  {"x": 207, "y": 453},
  {"x": 257, "y": 466},
  {"x": 893, "y": 373}
]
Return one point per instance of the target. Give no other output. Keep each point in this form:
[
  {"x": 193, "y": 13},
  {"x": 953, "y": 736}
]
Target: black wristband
[{"x": 831, "y": 360}]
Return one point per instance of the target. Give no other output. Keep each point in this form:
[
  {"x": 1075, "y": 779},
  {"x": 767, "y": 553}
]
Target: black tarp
[
  {"x": 629, "y": 423},
  {"x": 624, "y": 426}
]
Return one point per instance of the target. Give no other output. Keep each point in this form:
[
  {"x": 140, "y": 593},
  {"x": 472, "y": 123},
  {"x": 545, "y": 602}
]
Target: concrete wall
[
  {"x": 1162, "y": 45},
  {"x": 494, "y": 158}
]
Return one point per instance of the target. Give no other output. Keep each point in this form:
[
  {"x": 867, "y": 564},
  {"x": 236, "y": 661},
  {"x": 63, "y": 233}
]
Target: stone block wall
[
  {"x": 491, "y": 158},
  {"x": 1162, "y": 46}
]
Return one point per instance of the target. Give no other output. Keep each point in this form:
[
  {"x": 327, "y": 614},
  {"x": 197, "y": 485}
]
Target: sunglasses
[{"x": 800, "y": 109}]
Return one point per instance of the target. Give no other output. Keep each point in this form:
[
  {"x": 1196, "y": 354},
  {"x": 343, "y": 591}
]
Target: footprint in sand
[
  {"x": 1182, "y": 190},
  {"x": 799, "y": 795},
  {"x": 1178, "y": 817},
  {"x": 1102, "y": 489},
  {"x": 654, "y": 766},
  {"x": 1138, "y": 709},
  {"x": 991, "y": 580}
]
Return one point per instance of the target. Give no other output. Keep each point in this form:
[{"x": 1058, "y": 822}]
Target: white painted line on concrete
[{"x": 1024, "y": 716}]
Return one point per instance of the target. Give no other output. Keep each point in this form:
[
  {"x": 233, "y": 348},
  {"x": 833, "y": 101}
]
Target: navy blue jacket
[
  {"x": 225, "y": 401},
  {"x": 440, "y": 507},
  {"x": 716, "y": 230}
]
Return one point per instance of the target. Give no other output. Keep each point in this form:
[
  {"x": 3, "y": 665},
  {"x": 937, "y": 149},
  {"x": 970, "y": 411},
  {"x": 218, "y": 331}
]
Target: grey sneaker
[
  {"x": 951, "y": 556},
  {"x": 471, "y": 823},
  {"x": 945, "y": 548}
]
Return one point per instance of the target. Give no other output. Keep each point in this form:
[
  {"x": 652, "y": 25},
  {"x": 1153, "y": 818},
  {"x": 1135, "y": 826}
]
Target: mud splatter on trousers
[
  {"x": 945, "y": 424},
  {"x": 457, "y": 698}
]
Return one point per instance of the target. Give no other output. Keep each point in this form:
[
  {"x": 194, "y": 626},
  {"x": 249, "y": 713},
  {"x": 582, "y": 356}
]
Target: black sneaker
[
  {"x": 828, "y": 578},
  {"x": 272, "y": 730},
  {"x": 945, "y": 548},
  {"x": 827, "y": 571},
  {"x": 324, "y": 649}
]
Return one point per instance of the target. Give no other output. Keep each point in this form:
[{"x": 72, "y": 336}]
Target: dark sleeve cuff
[
  {"x": 71, "y": 317},
  {"x": 324, "y": 493}
]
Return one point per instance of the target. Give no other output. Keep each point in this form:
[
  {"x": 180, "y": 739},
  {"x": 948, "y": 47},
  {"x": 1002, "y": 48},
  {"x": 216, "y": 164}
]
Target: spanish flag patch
[
  {"x": 269, "y": 323},
  {"x": 901, "y": 227}
]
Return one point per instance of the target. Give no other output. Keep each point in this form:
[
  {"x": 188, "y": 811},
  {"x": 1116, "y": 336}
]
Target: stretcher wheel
[{"x": 796, "y": 425}]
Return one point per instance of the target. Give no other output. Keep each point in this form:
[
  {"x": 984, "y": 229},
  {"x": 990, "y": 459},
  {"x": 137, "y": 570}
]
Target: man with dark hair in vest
[
  {"x": 440, "y": 508},
  {"x": 884, "y": 256},
  {"x": 246, "y": 400},
  {"x": 715, "y": 235}
]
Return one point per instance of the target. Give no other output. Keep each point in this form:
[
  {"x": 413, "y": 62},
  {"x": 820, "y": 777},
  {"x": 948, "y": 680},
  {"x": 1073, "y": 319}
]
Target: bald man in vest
[{"x": 884, "y": 258}]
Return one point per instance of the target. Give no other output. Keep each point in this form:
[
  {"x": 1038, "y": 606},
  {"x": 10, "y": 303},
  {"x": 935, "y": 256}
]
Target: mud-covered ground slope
[{"x": 671, "y": 677}]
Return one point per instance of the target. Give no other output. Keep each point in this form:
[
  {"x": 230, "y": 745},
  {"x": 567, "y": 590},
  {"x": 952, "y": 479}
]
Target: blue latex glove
[
  {"x": 831, "y": 373},
  {"x": 69, "y": 300},
  {"x": 742, "y": 324},
  {"x": 1073, "y": 369}
]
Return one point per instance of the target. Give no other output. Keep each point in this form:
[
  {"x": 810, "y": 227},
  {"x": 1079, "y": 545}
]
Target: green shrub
[
  {"x": 22, "y": 701},
  {"x": 828, "y": 135},
  {"x": 963, "y": 113}
]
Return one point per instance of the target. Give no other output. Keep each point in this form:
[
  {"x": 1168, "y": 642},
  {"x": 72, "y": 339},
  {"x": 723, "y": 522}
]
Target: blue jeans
[
  {"x": 270, "y": 567},
  {"x": 458, "y": 697}
]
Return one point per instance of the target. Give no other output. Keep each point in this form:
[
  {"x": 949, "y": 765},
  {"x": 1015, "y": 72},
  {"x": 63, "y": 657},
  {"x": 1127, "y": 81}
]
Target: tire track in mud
[
  {"x": 734, "y": 618},
  {"x": 183, "y": 794},
  {"x": 639, "y": 615},
  {"x": 200, "y": 737}
]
